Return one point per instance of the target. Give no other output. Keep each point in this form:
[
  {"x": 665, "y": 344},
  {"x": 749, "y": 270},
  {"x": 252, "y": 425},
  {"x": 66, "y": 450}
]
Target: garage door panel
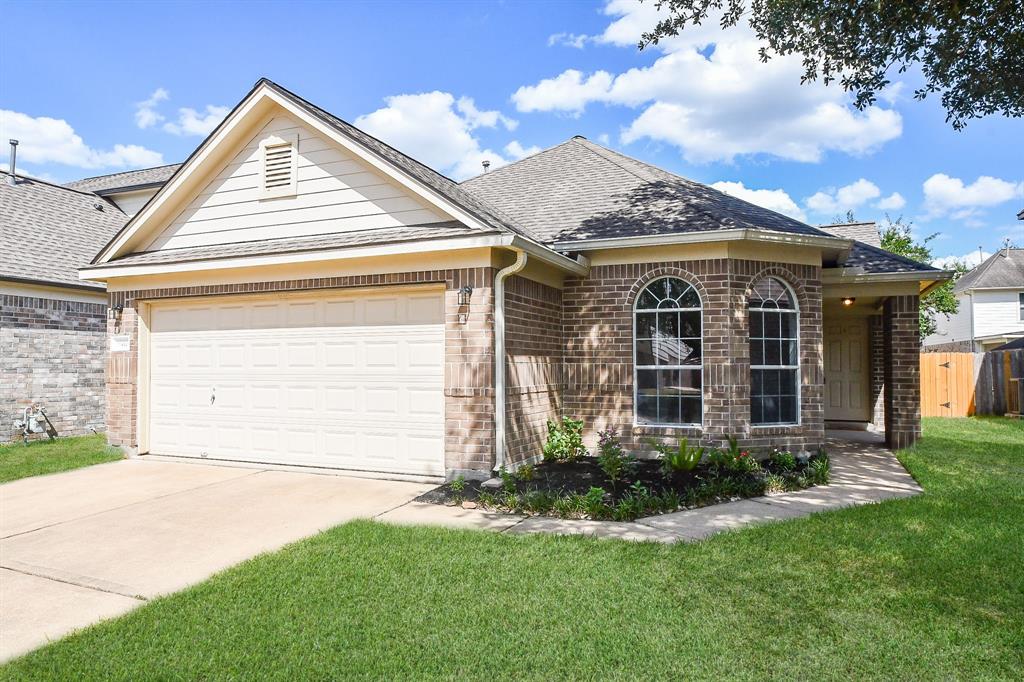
[{"x": 349, "y": 382}]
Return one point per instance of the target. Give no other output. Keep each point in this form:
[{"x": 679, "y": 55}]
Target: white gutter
[
  {"x": 745, "y": 234},
  {"x": 499, "y": 355}
]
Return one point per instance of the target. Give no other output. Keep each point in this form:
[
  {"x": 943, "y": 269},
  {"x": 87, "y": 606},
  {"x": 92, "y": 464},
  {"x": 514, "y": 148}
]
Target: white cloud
[
  {"x": 436, "y": 129},
  {"x": 146, "y": 114},
  {"x": 711, "y": 96},
  {"x": 604, "y": 139},
  {"x": 774, "y": 199},
  {"x": 971, "y": 259},
  {"x": 845, "y": 198},
  {"x": 518, "y": 151},
  {"x": 576, "y": 40},
  {"x": 53, "y": 140},
  {"x": 944, "y": 195},
  {"x": 893, "y": 202},
  {"x": 191, "y": 122}
]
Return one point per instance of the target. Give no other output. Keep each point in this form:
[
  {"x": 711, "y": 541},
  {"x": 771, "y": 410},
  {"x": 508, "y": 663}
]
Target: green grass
[
  {"x": 930, "y": 587},
  {"x": 50, "y": 456}
]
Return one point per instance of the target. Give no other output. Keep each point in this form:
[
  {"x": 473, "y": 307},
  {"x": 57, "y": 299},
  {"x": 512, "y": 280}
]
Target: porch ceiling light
[{"x": 848, "y": 301}]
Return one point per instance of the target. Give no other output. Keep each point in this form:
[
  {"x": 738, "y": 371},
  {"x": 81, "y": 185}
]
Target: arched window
[
  {"x": 667, "y": 354},
  {"x": 774, "y": 354}
]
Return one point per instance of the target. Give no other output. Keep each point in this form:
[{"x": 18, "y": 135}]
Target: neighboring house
[
  {"x": 130, "y": 190},
  {"x": 991, "y": 310},
  {"x": 301, "y": 293},
  {"x": 52, "y": 324},
  {"x": 866, "y": 232}
]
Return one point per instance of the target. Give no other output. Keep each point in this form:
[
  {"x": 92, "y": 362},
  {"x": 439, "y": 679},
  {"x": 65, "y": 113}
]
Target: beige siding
[{"x": 336, "y": 193}]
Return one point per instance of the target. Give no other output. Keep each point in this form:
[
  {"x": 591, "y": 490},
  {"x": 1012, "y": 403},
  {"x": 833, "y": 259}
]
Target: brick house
[{"x": 301, "y": 293}]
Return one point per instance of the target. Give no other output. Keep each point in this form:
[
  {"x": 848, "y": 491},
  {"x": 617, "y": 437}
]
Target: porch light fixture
[
  {"x": 114, "y": 312},
  {"x": 465, "y": 294},
  {"x": 848, "y": 301}
]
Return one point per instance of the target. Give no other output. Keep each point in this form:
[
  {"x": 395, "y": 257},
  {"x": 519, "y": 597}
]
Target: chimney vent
[
  {"x": 12, "y": 179},
  {"x": 486, "y": 165}
]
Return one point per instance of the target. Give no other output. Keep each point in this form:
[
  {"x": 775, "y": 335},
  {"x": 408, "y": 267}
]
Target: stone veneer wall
[
  {"x": 469, "y": 355},
  {"x": 900, "y": 319},
  {"x": 598, "y": 330},
  {"x": 533, "y": 342},
  {"x": 950, "y": 347},
  {"x": 52, "y": 351}
]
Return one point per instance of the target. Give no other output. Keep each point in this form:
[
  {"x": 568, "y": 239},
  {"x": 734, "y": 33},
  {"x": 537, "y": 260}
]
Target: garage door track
[{"x": 89, "y": 544}]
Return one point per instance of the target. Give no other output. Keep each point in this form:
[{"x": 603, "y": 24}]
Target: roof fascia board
[
  {"x": 102, "y": 272},
  {"x": 578, "y": 266},
  {"x": 51, "y": 283},
  {"x": 740, "y": 234},
  {"x": 128, "y": 188}
]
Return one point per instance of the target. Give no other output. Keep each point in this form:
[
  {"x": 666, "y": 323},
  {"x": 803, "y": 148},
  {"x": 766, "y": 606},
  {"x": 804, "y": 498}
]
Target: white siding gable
[
  {"x": 335, "y": 193},
  {"x": 997, "y": 312},
  {"x": 957, "y": 327}
]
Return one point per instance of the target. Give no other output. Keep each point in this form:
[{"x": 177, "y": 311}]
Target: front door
[{"x": 847, "y": 371}]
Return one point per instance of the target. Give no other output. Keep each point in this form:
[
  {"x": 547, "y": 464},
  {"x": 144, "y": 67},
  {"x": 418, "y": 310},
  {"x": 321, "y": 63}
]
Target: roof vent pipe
[
  {"x": 486, "y": 164},
  {"x": 12, "y": 179}
]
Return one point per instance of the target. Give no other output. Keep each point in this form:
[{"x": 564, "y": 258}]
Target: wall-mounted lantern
[
  {"x": 848, "y": 301},
  {"x": 115, "y": 312},
  {"x": 465, "y": 296}
]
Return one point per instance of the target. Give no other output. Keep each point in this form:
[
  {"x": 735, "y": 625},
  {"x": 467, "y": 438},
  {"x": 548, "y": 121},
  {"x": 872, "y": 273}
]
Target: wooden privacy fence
[{"x": 963, "y": 384}]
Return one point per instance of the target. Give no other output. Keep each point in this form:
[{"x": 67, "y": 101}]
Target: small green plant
[
  {"x": 615, "y": 463},
  {"x": 568, "y": 506},
  {"x": 733, "y": 459},
  {"x": 783, "y": 460},
  {"x": 774, "y": 483},
  {"x": 679, "y": 459},
  {"x": 508, "y": 481},
  {"x": 538, "y": 501},
  {"x": 565, "y": 441},
  {"x": 526, "y": 472},
  {"x": 458, "y": 484},
  {"x": 594, "y": 505},
  {"x": 487, "y": 500},
  {"x": 819, "y": 469}
]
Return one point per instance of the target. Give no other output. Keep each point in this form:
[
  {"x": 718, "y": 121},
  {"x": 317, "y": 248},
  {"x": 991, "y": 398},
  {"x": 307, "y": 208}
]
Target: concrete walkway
[
  {"x": 861, "y": 474},
  {"x": 81, "y": 546}
]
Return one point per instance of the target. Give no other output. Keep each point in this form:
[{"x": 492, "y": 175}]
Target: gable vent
[{"x": 279, "y": 156}]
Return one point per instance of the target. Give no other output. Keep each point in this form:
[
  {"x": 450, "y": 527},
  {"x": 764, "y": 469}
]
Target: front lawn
[
  {"x": 50, "y": 456},
  {"x": 930, "y": 587}
]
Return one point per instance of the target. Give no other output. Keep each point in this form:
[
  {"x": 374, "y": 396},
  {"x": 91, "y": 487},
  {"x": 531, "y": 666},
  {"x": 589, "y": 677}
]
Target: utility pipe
[{"x": 499, "y": 355}]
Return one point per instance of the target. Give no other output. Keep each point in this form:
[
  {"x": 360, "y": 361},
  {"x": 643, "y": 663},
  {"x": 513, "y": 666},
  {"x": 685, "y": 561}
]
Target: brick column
[
  {"x": 876, "y": 341},
  {"x": 902, "y": 371},
  {"x": 122, "y": 377}
]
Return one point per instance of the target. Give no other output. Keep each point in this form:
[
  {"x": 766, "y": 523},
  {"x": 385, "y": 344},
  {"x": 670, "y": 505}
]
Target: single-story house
[
  {"x": 991, "y": 310},
  {"x": 301, "y": 293}
]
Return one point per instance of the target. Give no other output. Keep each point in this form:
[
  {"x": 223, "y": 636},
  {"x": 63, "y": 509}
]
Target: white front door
[
  {"x": 847, "y": 371},
  {"x": 351, "y": 380}
]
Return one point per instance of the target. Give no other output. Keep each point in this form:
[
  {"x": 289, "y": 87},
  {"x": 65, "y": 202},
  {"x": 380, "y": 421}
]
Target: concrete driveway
[{"x": 85, "y": 545}]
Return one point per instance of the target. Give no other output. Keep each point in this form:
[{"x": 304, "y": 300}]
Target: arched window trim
[
  {"x": 795, "y": 311},
  {"x": 691, "y": 368}
]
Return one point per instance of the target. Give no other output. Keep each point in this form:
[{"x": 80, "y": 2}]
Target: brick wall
[
  {"x": 469, "y": 355},
  {"x": 876, "y": 342},
  {"x": 901, "y": 330},
  {"x": 54, "y": 352},
  {"x": 533, "y": 343},
  {"x": 598, "y": 331}
]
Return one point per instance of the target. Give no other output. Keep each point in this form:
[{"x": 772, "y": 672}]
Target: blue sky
[{"x": 94, "y": 88}]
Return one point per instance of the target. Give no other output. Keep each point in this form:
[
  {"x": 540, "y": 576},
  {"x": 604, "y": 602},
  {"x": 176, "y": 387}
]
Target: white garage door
[{"x": 350, "y": 381}]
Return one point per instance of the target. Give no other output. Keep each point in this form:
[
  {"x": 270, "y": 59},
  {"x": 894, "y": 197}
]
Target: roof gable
[
  {"x": 265, "y": 101},
  {"x": 1003, "y": 269}
]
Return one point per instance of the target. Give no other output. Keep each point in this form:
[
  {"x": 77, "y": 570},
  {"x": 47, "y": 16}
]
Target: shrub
[
  {"x": 773, "y": 483},
  {"x": 593, "y": 503},
  {"x": 733, "y": 459},
  {"x": 783, "y": 460},
  {"x": 458, "y": 484},
  {"x": 615, "y": 463},
  {"x": 565, "y": 441},
  {"x": 538, "y": 501},
  {"x": 526, "y": 472},
  {"x": 680, "y": 459},
  {"x": 508, "y": 481},
  {"x": 486, "y": 499},
  {"x": 819, "y": 469},
  {"x": 568, "y": 506}
]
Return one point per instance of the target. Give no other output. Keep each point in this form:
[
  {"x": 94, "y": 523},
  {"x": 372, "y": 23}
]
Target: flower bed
[{"x": 612, "y": 485}]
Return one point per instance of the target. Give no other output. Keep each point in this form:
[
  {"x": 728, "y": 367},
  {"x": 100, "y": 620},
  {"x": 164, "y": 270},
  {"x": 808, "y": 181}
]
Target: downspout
[{"x": 499, "y": 355}]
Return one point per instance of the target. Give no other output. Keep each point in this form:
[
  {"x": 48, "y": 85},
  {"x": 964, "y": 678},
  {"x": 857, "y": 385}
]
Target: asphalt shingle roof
[
  {"x": 580, "y": 190},
  {"x": 874, "y": 259},
  {"x": 47, "y": 231},
  {"x": 1003, "y": 269},
  {"x": 391, "y": 235},
  {"x": 135, "y": 178},
  {"x": 862, "y": 232}
]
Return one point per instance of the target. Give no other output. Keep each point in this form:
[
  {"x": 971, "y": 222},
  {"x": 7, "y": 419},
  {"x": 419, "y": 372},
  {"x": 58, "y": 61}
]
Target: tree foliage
[
  {"x": 897, "y": 238},
  {"x": 970, "y": 51}
]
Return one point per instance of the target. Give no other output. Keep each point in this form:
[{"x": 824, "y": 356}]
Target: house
[
  {"x": 301, "y": 293},
  {"x": 865, "y": 232},
  {"x": 991, "y": 310}
]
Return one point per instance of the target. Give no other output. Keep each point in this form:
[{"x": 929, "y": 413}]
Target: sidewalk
[{"x": 861, "y": 474}]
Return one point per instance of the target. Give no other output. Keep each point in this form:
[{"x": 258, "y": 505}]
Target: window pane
[
  {"x": 788, "y": 409},
  {"x": 647, "y": 409},
  {"x": 668, "y": 325},
  {"x": 644, "y": 353},
  {"x": 647, "y": 300},
  {"x": 690, "y": 411},
  {"x": 771, "y": 413},
  {"x": 757, "y": 352},
  {"x": 787, "y": 382},
  {"x": 756, "y": 410},
  {"x": 689, "y": 324},
  {"x": 788, "y": 325},
  {"x": 689, "y": 382},
  {"x": 771, "y": 325},
  {"x": 647, "y": 381},
  {"x": 678, "y": 352},
  {"x": 756, "y": 382},
  {"x": 756, "y": 325},
  {"x": 646, "y": 325},
  {"x": 669, "y": 382},
  {"x": 772, "y": 350},
  {"x": 789, "y": 353},
  {"x": 668, "y": 410},
  {"x": 771, "y": 382},
  {"x": 690, "y": 299},
  {"x": 675, "y": 288}
]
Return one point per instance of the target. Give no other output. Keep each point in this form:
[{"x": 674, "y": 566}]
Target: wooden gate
[{"x": 947, "y": 384}]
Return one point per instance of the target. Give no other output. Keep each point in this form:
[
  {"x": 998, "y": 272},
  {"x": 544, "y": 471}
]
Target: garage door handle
[{"x": 213, "y": 395}]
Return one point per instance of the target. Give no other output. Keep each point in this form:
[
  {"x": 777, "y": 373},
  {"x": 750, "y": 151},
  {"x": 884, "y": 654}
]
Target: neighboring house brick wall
[
  {"x": 598, "y": 329},
  {"x": 469, "y": 356},
  {"x": 54, "y": 352},
  {"x": 901, "y": 325},
  {"x": 533, "y": 341}
]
